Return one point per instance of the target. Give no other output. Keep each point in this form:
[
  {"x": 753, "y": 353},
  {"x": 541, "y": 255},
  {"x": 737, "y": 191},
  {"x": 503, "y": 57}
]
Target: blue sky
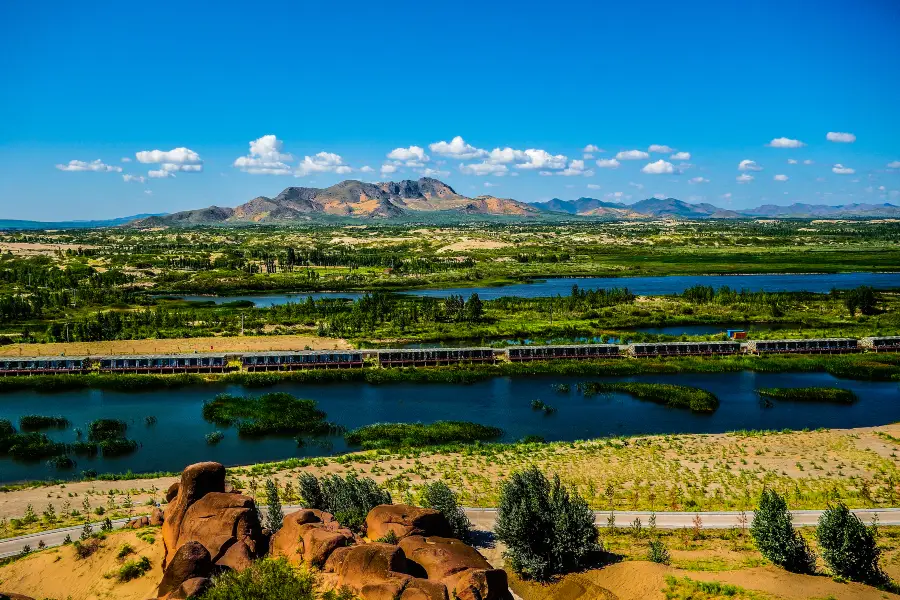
[{"x": 181, "y": 90}]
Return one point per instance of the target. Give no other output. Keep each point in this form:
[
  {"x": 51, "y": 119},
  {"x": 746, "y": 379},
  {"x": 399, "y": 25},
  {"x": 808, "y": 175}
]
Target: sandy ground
[
  {"x": 30, "y": 249},
  {"x": 469, "y": 244},
  {"x": 182, "y": 345},
  {"x": 57, "y": 573}
]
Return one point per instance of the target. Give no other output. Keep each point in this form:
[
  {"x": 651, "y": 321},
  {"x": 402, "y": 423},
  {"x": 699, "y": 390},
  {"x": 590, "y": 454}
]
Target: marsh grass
[
  {"x": 810, "y": 394},
  {"x": 673, "y": 396},
  {"x": 393, "y": 435},
  {"x": 269, "y": 414}
]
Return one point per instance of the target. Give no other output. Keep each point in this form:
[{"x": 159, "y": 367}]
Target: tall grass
[
  {"x": 38, "y": 422},
  {"x": 810, "y": 394},
  {"x": 674, "y": 396},
  {"x": 277, "y": 413},
  {"x": 395, "y": 435}
]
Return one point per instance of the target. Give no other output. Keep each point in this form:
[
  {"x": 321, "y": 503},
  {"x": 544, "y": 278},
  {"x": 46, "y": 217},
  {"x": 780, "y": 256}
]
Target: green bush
[
  {"x": 349, "y": 499},
  {"x": 547, "y": 529},
  {"x": 133, "y": 569},
  {"x": 848, "y": 547},
  {"x": 811, "y": 394},
  {"x": 274, "y": 514},
  {"x": 276, "y": 413},
  {"x": 392, "y": 435},
  {"x": 776, "y": 538},
  {"x": 106, "y": 429},
  {"x": 267, "y": 579},
  {"x": 658, "y": 553},
  {"x": 440, "y": 497}
]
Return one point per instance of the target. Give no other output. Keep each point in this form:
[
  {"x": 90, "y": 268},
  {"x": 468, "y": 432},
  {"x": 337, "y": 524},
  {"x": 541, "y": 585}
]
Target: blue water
[
  {"x": 644, "y": 286},
  {"x": 177, "y": 438}
]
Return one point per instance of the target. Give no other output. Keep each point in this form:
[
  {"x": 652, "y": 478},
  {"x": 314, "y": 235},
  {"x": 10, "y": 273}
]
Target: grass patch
[
  {"x": 277, "y": 413},
  {"x": 673, "y": 396},
  {"x": 38, "y": 422},
  {"x": 394, "y": 435},
  {"x": 810, "y": 394},
  {"x": 131, "y": 570},
  {"x": 272, "y": 579},
  {"x": 685, "y": 588}
]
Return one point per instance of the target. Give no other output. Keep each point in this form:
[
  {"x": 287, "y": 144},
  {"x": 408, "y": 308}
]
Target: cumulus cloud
[
  {"x": 608, "y": 163},
  {"x": 840, "y": 137},
  {"x": 593, "y": 186},
  {"x": 808, "y": 161},
  {"x": 780, "y": 177},
  {"x": 748, "y": 165},
  {"x": 784, "y": 142},
  {"x": 894, "y": 164},
  {"x": 388, "y": 168},
  {"x": 698, "y": 180},
  {"x": 366, "y": 169},
  {"x": 659, "y": 167},
  {"x": 632, "y": 155},
  {"x": 95, "y": 165},
  {"x": 137, "y": 178},
  {"x": 160, "y": 174},
  {"x": 639, "y": 186},
  {"x": 744, "y": 178},
  {"x": 455, "y": 148},
  {"x": 413, "y": 156},
  {"x": 660, "y": 149},
  {"x": 170, "y": 161},
  {"x": 592, "y": 148},
  {"x": 506, "y": 155},
  {"x": 842, "y": 170},
  {"x": 265, "y": 158},
  {"x": 483, "y": 168},
  {"x": 792, "y": 161},
  {"x": 576, "y": 167},
  {"x": 125, "y": 159},
  {"x": 681, "y": 156},
  {"x": 541, "y": 159},
  {"x": 323, "y": 162},
  {"x": 428, "y": 172}
]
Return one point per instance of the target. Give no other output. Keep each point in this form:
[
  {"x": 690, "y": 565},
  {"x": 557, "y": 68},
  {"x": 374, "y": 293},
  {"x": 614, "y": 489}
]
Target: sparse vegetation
[
  {"x": 393, "y": 435},
  {"x": 810, "y": 394}
]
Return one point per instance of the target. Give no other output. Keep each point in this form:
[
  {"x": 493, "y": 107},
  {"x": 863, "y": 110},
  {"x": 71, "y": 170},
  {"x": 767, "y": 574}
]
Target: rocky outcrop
[
  {"x": 377, "y": 572},
  {"x": 156, "y": 517},
  {"x": 309, "y": 536},
  {"x": 465, "y": 572},
  {"x": 11, "y": 596},
  {"x": 191, "y": 562},
  {"x": 403, "y": 521}
]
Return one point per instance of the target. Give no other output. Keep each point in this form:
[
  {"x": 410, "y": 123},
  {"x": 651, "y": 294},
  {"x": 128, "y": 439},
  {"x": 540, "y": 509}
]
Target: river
[{"x": 177, "y": 438}]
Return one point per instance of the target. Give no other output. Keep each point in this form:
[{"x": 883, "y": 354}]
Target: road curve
[{"x": 484, "y": 519}]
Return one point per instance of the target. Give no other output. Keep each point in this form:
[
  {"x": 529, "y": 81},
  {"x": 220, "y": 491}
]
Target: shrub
[
  {"x": 36, "y": 422},
  {"x": 274, "y": 514},
  {"x": 547, "y": 529},
  {"x": 133, "y": 569},
  {"x": 106, "y": 429},
  {"x": 438, "y": 496},
  {"x": 658, "y": 553},
  {"x": 61, "y": 462},
  {"x": 349, "y": 499},
  {"x": 124, "y": 551},
  {"x": 272, "y": 579},
  {"x": 310, "y": 491},
  {"x": 775, "y": 536},
  {"x": 214, "y": 437},
  {"x": 848, "y": 547},
  {"x": 389, "y": 538}
]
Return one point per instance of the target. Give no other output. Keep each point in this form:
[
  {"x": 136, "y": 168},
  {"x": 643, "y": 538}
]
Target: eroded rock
[{"x": 403, "y": 521}]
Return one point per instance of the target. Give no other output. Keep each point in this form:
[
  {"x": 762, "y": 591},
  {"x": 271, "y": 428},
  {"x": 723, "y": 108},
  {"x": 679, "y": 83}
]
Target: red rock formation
[
  {"x": 309, "y": 536},
  {"x": 465, "y": 572},
  {"x": 405, "y": 520}
]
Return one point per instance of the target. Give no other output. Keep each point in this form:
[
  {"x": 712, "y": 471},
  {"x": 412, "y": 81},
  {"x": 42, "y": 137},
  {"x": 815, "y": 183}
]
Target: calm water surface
[{"x": 177, "y": 438}]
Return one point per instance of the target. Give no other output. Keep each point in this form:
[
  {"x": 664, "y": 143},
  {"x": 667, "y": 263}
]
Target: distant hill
[
  {"x": 17, "y": 224},
  {"x": 351, "y": 198}
]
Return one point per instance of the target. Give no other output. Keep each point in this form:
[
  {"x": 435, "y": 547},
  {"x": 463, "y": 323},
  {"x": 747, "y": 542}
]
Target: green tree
[
  {"x": 274, "y": 514},
  {"x": 272, "y": 579},
  {"x": 775, "y": 536},
  {"x": 440, "y": 497},
  {"x": 848, "y": 547},
  {"x": 547, "y": 529},
  {"x": 474, "y": 309}
]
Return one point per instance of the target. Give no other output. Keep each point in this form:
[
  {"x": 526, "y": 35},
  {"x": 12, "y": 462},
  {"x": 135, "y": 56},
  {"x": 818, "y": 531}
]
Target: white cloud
[
  {"x": 178, "y": 159},
  {"x": 488, "y": 184},
  {"x": 265, "y": 158},
  {"x": 323, "y": 162},
  {"x": 894, "y": 164},
  {"x": 842, "y": 170},
  {"x": 576, "y": 167},
  {"x": 506, "y": 155},
  {"x": 433, "y": 173},
  {"x": 681, "y": 156},
  {"x": 366, "y": 169},
  {"x": 413, "y": 156},
  {"x": 148, "y": 192},
  {"x": 784, "y": 142},
  {"x": 541, "y": 159},
  {"x": 160, "y": 174},
  {"x": 96, "y": 165},
  {"x": 659, "y": 167},
  {"x": 618, "y": 195},
  {"x": 587, "y": 156},
  {"x": 698, "y": 180},
  {"x": 608, "y": 163},
  {"x": 125, "y": 159},
  {"x": 748, "y": 165},
  {"x": 387, "y": 169},
  {"x": 593, "y": 186},
  {"x": 792, "y": 161},
  {"x": 137, "y": 178},
  {"x": 632, "y": 155},
  {"x": 660, "y": 148},
  {"x": 727, "y": 195},
  {"x": 840, "y": 137},
  {"x": 483, "y": 168},
  {"x": 808, "y": 161},
  {"x": 744, "y": 178},
  {"x": 780, "y": 177},
  {"x": 593, "y": 148},
  {"x": 455, "y": 148}
]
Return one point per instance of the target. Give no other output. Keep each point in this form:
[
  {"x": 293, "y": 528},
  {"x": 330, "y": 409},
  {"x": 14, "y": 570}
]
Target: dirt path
[{"x": 181, "y": 345}]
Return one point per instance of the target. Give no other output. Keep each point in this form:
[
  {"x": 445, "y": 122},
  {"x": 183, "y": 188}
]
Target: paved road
[{"x": 484, "y": 518}]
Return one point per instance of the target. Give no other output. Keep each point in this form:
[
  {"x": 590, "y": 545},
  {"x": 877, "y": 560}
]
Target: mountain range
[{"x": 431, "y": 198}]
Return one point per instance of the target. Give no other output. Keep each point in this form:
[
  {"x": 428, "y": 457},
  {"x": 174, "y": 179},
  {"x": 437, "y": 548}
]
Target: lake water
[
  {"x": 177, "y": 438},
  {"x": 644, "y": 286}
]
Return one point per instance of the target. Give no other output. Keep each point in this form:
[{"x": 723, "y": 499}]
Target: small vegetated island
[
  {"x": 673, "y": 396},
  {"x": 393, "y": 435},
  {"x": 810, "y": 394},
  {"x": 277, "y": 413}
]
